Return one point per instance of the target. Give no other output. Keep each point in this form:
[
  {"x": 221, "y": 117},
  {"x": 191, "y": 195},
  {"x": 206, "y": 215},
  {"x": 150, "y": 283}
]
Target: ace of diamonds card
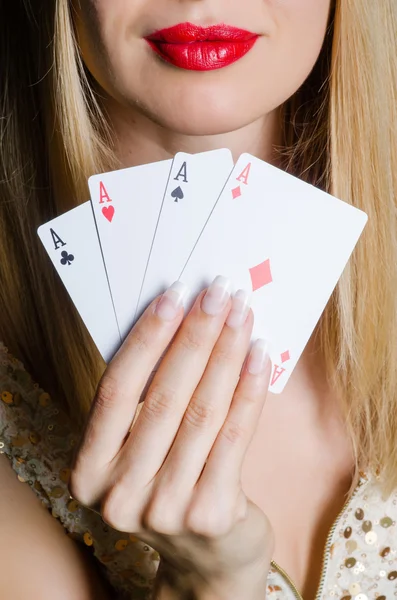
[{"x": 284, "y": 241}]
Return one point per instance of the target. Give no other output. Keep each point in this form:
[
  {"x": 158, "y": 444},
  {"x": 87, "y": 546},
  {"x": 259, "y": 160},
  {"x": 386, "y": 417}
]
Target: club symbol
[
  {"x": 177, "y": 194},
  {"x": 67, "y": 258}
]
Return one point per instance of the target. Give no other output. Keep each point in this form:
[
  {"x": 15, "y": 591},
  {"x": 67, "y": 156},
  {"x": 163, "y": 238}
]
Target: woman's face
[{"x": 245, "y": 58}]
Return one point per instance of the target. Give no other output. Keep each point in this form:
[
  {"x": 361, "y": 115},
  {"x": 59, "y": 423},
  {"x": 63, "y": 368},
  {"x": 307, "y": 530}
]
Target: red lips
[{"x": 196, "y": 48}]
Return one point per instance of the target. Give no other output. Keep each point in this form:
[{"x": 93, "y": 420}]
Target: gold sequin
[
  {"x": 21, "y": 479},
  {"x": 347, "y": 533},
  {"x": 7, "y": 397},
  {"x": 38, "y": 486},
  {"x": 121, "y": 544},
  {"x": 351, "y": 546},
  {"x": 346, "y": 598},
  {"x": 72, "y": 506},
  {"x": 34, "y": 438},
  {"x": 386, "y": 522},
  {"x": 44, "y": 400},
  {"x": 87, "y": 537},
  {"x": 385, "y": 552},
  {"x": 366, "y": 526},
  {"x": 392, "y": 576},
  {"x": 371, "y": 537},
  {"x": 350, "y": 562},
  {"x": 273, "y": 588},
  {"x": 57, "y": 492},
  {"x": 64, "y": 475},
  {"x": 359, "y": 514},
  {"x": 381, "y": 598},
  {"x": 354, "y": 589}
]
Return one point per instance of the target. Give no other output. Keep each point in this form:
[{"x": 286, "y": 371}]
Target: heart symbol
[
  {"x": 108, "y": 213},
  {"x": 177, "y": 194}
]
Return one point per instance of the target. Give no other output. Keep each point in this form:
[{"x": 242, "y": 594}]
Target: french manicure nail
[
  {"x": 171, "y": 301},
  {"x": 240, "y": 309},
  {"x": 217, "y": 296},
  {"x": 258, "y": 357}
]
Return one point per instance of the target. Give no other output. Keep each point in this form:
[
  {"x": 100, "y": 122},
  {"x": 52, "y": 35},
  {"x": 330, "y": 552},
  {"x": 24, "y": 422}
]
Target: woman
[{"x": 83, "y": 91}]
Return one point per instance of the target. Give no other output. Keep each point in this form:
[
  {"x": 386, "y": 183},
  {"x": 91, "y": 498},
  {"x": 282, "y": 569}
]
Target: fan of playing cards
[{"x": 193, "y": 218}]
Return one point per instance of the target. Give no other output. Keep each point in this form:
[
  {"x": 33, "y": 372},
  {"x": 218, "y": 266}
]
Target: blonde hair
[{"x": 339, "y": 134}]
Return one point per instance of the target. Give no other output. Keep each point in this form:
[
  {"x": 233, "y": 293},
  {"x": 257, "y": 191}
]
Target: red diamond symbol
[
  {"x": 285, "y": 356},
  {"x": 236, "y": 192},
  {"x": 261, "y": 275}
]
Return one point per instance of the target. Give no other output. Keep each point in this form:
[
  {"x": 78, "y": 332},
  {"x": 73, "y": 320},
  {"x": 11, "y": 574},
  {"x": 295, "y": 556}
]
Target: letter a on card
[
  {"x": 107, "y": 211},
  {"x": 242, "y": 178}
]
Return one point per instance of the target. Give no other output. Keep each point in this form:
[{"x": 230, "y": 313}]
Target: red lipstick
[{"x": 195, "y": 48}]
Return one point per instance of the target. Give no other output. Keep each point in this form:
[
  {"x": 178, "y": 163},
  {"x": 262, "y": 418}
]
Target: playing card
[
  {"x": 284, "y": 241},
  {"x": 126, "y": 206},
  {"x": 193, "y": 187},
  {"x": 71, "y": 241}
]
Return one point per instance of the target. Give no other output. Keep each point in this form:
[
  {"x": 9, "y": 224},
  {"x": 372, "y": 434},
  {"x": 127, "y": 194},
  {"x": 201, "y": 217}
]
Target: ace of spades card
[
  {"x": 193, "y": 188},
  {"x": 284, "y": 241}
]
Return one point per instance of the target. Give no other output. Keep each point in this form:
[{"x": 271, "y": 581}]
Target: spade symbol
[
  {"x": 66, "y": 258},
  {"x": 177, "y": 194}
]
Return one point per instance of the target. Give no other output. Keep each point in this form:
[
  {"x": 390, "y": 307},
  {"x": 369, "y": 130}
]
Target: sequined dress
[{"x": 360, "y": 557}]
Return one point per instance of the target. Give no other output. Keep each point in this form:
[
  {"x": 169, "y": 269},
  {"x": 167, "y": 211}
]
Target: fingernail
[
  {"x": 217, "y": 296},
  {"x": 240, "y": 309},
  {"x": 258, "y": 357},
  {"x": 171, "y": 301}
]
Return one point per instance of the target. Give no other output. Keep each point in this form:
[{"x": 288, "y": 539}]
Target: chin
[
  {"x": 199, "y": 115},
  {"x": 200, "y": 121}
]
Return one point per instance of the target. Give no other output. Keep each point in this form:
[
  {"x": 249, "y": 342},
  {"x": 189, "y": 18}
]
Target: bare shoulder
[{"x": 35, "y": 553}]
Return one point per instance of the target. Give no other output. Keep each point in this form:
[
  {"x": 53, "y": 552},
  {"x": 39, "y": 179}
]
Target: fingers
[
  {"x": 222, "y": 473},
  {"x": 208, "y": 407},
  {"x": 174, "y": 384},
  {"x": 208, "y": 500},
  {"x": 118, "y": 392}
]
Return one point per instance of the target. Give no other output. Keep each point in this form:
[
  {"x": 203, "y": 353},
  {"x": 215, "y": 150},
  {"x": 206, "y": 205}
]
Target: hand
[{"x": 173, "y": 478}]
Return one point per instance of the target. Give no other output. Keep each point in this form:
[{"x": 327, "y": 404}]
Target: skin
[
  {"x": 200, "y": 412},
  {"x": 299, "y": 448},
  {"x": 53, "y": 564}
]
